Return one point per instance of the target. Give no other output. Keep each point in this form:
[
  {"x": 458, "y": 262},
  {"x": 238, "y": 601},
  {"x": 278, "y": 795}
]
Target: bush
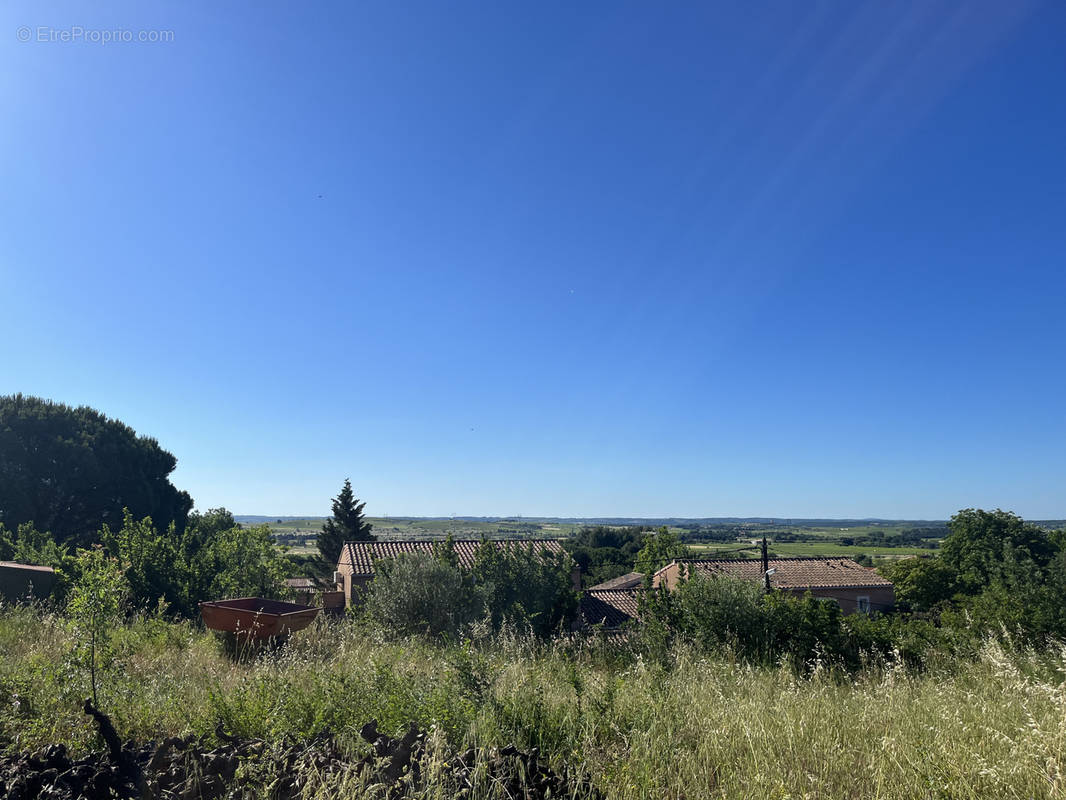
[
  {"x": 921, "y": 583},
  {"x": 724, "y": 614},
  {"x": 213, "y": 558},
  {"x": 513, "y": 586},
  {"x": 523, "y": 588},
  {"x": 95, "y": 610},
  {"x": 419, "y": 593}
]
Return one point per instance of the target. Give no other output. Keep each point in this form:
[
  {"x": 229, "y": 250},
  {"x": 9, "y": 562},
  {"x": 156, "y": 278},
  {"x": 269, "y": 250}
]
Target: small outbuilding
[{"x": 25, "y": 581}]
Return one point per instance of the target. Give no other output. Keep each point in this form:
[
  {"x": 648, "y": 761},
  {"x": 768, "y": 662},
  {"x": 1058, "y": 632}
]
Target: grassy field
[
  {"x": 818, "y": 541},
  {"x": 300, "y": 535},
  {"x": 697, "y": 727},
  {"x": 305, "y": 529},
  {"x": 786, "y": 549}
]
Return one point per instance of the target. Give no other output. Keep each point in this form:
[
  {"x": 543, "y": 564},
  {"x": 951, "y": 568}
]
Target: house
[
  {"x": 609, "y": 608},
  {"x": 21, "y": 581},
  {"x": 853, "y": 586},
  {"x": 631, "y": 580},
  {"x": 357, "y": 564}
]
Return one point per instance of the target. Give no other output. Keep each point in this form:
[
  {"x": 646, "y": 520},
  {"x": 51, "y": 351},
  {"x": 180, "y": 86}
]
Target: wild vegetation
[
  {"x": 212, "y": 556},
  {"x": 437, "y": 596},
  {"x": 695, "y": 724},
  {"x": 605, "y": 552}
]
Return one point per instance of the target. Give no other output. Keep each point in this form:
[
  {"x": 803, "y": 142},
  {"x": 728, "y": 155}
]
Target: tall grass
[{"x": 991, "y": 727}]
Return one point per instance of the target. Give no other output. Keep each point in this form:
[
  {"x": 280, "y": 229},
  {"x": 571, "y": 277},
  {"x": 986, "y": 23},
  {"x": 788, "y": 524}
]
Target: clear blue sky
[{"x": 597, "y": 258}]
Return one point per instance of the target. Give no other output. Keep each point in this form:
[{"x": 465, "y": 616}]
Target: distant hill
[
  {"x": 258, "y": 519},
  {"x": 563, "y": 526}
]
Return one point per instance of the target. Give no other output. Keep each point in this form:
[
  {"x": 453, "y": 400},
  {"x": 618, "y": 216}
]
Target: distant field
[
  {"x": 784, "y": 549},
  {"x": 820, "y": 541},
  {"x": 398, "y": 528},
  {"x": 825, "y": 531},
  {"x": 299, "y": 535}
]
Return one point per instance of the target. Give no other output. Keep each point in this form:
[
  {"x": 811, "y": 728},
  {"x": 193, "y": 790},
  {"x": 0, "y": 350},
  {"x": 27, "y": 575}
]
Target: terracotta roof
[
  {"x": 610, "y": 608},
  {"x": 631, "y": 580},
  {"x": 794, "y": 573},
  {"x": 362, "y": 555},
  {"x": 16, "y": 565}
]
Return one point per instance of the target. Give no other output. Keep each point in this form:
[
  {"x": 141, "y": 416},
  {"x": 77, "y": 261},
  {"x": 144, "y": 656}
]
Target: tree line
[
  {"x": 995, "y": 575},
  {"x": 77, "y": 486},
  {"x": 85, "y": 494}
]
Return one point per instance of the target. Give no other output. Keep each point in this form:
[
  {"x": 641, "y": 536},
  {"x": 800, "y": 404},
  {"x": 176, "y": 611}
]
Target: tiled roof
[
  {"x": 610, "y": 608},
  {"x": 631, "y": 580},
  {"x": 362, "y": 555},
  {"x": 795, "y": 573}
]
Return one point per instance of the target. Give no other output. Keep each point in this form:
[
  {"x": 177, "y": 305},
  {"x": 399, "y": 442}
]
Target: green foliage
[
  {"x": 921, "y": 583},
  {"x": 710, "y": 613},
  {"x": 506, "y": 586},
  {"x": 212, "y": 558},
  {"x": 996, "y": 574},
  {"x": 699, "y": 725},
  {"x": 95, "y": 609},
  {"x": 605, "y": 552},
  {"x": 803, "y": 629},
  {"x": 913, "y": 641},
  {"x": 525, "y": 588},
  {"x": 73, "y": 470},
  {"x": 201, "y": 527},
  {"x": 982, "y": 542},
  {"x": 418, "y": 593},
  {"x": 660, "y": 548},
  {"x": 346, "y": 525},
  {"x": 149, "y": 558},
  {"x": 239, "y": 562},
  {"x": 27, "y": 545},
  {"x": 724, "y": 614}
]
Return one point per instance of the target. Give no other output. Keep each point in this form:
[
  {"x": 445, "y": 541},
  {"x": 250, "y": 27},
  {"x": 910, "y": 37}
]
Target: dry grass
[{"x": 703, "y": 727}]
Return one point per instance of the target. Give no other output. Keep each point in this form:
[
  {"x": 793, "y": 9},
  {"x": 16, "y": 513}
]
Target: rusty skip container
[{"x": 257, "y": 617}]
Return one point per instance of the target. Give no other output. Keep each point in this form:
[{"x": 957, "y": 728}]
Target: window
[{"x": 863, "y": 604}]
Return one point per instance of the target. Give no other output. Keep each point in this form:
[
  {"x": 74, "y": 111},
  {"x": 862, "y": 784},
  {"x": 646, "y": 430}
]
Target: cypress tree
[{"x": 346, "y": 525}]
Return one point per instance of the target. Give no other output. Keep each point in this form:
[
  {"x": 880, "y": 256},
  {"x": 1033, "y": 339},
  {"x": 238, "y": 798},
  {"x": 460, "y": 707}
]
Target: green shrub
[
  {"x": 419, "y": 593},
  {"x": 95, "y": 608},
  {"x": 512, "y": 587}
]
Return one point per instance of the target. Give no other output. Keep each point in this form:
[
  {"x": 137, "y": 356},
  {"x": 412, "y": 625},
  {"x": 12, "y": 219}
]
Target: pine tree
[{"x": 346, "y": 525}]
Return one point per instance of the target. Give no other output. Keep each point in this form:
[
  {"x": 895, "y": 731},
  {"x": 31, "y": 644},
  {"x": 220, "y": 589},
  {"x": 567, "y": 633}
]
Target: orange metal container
[{"x": 256, "y": 617}]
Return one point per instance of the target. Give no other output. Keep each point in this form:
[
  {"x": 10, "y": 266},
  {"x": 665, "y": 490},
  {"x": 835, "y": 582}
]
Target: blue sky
[{"x": 574, "y": 259}]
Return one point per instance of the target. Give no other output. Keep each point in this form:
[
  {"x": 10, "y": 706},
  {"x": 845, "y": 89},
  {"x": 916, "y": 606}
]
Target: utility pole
[{"x": 765, "y": 566}]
